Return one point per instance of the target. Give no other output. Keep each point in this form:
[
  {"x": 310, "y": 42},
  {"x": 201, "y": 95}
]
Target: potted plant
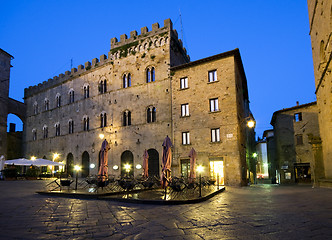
[
  {"x": 32, "y": 173},
  {"x": 10, "y": 173}
]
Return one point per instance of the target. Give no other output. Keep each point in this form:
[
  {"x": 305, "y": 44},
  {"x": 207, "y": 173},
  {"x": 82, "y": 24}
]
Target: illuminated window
[
  {"x": 213, "y": 76},
  {"x": 215, "y": 135},
  {"x": 185, "y": 168},
  {"x": 184, "y": 83},
  {"x": 214, "y": 106},
  {"x": 185, "y": 110},
  {"x": 185, "y": 138}
]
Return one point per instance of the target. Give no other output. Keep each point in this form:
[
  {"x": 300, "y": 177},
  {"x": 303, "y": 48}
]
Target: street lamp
[
  {"x": 77, "y": 168},
  {"x": 101, "y": 136},
  {"x": 200, "y": 169},
  {"x": 33, "y": 158}
]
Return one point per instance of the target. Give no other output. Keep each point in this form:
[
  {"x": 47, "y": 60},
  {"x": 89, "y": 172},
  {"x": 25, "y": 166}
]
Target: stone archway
[
  {"x": 85, "y": 164},
  {"x": 127, "y": 157},
  {"x": 153, "y": 162},
  {"x": 70, "y": 164}
]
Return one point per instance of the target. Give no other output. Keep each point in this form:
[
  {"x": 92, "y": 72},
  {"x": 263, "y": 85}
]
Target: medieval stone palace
[{"x": 145, "y": 89}]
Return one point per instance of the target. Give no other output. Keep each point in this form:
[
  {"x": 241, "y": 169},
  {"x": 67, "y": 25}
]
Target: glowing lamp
[
  {"x": 251, "y": 124},
  {"x": 77, "y": 168}
]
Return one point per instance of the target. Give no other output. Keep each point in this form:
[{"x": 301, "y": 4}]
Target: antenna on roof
[
  {"x": 71, "y": 63},
  {"x": 181, "y": 25}
]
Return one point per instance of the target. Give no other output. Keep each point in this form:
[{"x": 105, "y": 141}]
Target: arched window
[
  {"x": 34, "y": 134},
  {"x": 57, "y": 129},
  {"x": 47, "y": 104},
  {"x": 126, "y": 80},
  {"x": 103, "y": 120},
  {"x": 151, "y": 114},
  {"x": 102, "y": 86},
  {"x": 148, "y": 79},
  {"x": 45, "y": 131},
  {"x": 126, "y": 118},
  {"x": 35, "y": 108},
  {"x": 150, "y": 75},
  {"x": 58, "y": 100},
  {"x": 71, "y": 96},
  {"x": 70, "y": 126},
  {"x": 86, "y": 90},
  {"x": 86, "y": 123}
]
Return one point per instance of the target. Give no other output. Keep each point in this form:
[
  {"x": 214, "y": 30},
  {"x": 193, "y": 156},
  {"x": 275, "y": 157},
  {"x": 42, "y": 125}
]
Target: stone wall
[{"x": 321, "y": 40}]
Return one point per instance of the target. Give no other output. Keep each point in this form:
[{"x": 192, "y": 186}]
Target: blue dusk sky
[{"x": 273, "y": 38}]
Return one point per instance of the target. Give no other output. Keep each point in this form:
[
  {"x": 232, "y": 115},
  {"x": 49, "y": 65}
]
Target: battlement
[
  {"x": 168, "y": 26},
  {"x": 118, "y": 50}
]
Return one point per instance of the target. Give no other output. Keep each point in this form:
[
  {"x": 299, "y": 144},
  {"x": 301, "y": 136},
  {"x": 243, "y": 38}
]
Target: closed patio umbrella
[
  {"x": 192, "y": 174},
  {"x": 103, "y": 169},
  {"x": 146, "y": 164},
  {"x": 166, "y": 162}
]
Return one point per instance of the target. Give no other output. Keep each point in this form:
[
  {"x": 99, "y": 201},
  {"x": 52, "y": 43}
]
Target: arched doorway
[
  {"x": 70, "y": 164},
  {"x": 153, "y": 162},
  {"x": 85, "y": 164},
  {"x": 127, "y": 158}
]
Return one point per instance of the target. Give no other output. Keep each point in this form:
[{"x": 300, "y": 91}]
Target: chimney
[{"x": 297, "y": 103}]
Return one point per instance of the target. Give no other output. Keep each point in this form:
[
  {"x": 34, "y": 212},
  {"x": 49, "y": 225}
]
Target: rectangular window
[
  {"x": 298, "y": 117},
  {"x": 184, "y": 110},
  {"x": 213, "y": 76},
  {"x": 215, "y": 135},
  {"x": 184, "y": 83},
  {"x": 214, "y": 106},
  {"x": 299, "y": 139},
  {"x": 185, "y": 138}
]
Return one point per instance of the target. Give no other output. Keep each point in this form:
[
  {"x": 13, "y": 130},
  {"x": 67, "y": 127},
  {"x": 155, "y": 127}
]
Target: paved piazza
[{"x": 256, "y": 212}]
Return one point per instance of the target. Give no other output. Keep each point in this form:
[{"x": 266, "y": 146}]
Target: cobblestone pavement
[{"x": 256, "y": 212}]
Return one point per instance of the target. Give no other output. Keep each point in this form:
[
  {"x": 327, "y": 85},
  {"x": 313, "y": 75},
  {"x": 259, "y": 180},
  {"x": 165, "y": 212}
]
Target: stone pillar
[
  {"x": 317, "y": 164},
  {"x": 5, "y": 66}
]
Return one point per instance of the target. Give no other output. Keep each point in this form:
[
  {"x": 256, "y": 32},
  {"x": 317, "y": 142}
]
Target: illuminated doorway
[
  {"x": 217, "y": 171},
  {"x": 185, "y": 168}
]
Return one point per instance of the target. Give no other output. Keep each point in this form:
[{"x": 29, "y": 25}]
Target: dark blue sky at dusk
[{"x": 273, "y": 38}]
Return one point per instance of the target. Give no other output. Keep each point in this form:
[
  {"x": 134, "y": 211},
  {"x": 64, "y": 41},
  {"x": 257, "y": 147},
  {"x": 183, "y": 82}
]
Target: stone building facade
[
  {"x": 320, "y": 20},
  {"x": 7, "y": 104},
  {"x": 133, "y": 98},
  {"x": 293, "y": 129}
]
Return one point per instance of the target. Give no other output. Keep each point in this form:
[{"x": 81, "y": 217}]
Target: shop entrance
[{"x": 217, "y": 170}]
